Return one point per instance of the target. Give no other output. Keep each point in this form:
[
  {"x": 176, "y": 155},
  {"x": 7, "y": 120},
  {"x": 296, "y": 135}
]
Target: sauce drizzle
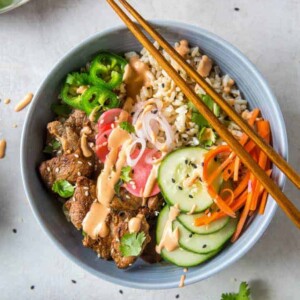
[
  {"x": 137, "y": 74},
  {"x": 170, "y": 238}
]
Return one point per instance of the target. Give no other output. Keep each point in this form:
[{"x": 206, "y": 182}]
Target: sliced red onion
[
  {"x": 130, "y": 161},
  {"x": 149, "y": 121}
]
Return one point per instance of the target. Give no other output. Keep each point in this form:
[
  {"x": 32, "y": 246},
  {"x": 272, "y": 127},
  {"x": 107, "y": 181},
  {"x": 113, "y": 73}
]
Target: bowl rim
[{"x": 196, "y": 277}]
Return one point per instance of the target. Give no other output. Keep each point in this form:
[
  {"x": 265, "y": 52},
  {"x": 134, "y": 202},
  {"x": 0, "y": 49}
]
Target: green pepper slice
[
  {"x": 69, "y": 96},
  {"x": 107, "y": 70},
  {"x": 101, "y": 97},
  {"x": 69, "y": 90}
]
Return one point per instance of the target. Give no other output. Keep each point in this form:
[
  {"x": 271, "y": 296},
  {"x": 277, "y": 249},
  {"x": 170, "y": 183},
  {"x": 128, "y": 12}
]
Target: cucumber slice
[
  {"x": 184, "y": 258},
  {"x": 203, "y": 244},
  {"x": 179, "y": 257},
  {"x": 174, "y": 169},
  {"x": 188, "y": 222}
]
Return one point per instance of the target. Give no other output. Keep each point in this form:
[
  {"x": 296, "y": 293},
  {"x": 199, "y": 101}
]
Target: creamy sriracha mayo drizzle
[
  {"x": 137, "y": 74},
  {"x": 170, "y": 238},
  {"x": 94, "y": 223},
  {"x": 135, "y": 223}
]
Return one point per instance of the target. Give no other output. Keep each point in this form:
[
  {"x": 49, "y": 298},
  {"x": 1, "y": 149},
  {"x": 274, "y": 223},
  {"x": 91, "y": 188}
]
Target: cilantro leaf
[
  {"x": 125, "y": 174},
  {"x": 131, "y": 243},
  {"x": 127, "y": 126},
  {"x": 207, "y": 137},
  {"x": 61, "y": 109},
  {"x": 63, "y": 188},
  {"x": 77, "y": 78},
  {"x": 52, "y": 146},
  {"x": 243, "y": 294},
  {"x": 118, "y": 186},
  {"x": 197, "y": 118}
]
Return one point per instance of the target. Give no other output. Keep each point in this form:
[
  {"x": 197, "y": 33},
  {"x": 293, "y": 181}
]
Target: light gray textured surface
[{"x": 35, "y": 36}]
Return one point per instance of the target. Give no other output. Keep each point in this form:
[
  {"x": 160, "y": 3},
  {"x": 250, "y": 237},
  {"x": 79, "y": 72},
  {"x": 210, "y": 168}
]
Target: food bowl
[{"x": 49, "y": 212}]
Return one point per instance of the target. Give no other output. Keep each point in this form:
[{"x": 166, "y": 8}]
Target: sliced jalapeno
[
  {"x": 101, "y": 97},
  {"x": 69, "y": 92},
  {"x": 107, "y": 70}
]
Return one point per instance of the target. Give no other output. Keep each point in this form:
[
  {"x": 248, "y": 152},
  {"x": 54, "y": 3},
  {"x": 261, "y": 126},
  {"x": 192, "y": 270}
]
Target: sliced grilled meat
[
  {"x": 79, "y": 205},
  {"x": 67, "y": 136},
  {"x": 79, "y": 120},
  {"x": 126, "y": 201},
  {"x": 149, "y": 254},
  {"x": 68, "y": 167},
  {"x": 120, "y": 230},
  {"x": 102, "y": 246}
]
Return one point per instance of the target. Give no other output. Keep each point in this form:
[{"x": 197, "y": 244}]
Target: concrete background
[{"x": 35, "y": 36}]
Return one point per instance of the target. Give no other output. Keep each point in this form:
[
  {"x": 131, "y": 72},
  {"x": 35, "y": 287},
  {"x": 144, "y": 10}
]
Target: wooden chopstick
[
  {"x": 286, "y": 205},
  {"x": 265, "y": 147}
]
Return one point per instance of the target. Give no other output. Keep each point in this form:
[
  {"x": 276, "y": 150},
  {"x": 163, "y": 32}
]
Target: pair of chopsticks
[{"x": 285, "y": 204}]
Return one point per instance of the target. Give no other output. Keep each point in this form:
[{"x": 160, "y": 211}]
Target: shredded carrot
[
  {"x": 244, "y": 214},
  {"x": 222, "y": 205},
  {"x": 242, "y": 186},
  {"x": 237, "y": 205},
  {"x": 208, "y": 157},
  {"x": 263, "y": 128},
  {"x": 263, "y": 202},
  {"x": 236, "y": 169},
  {"x": 217, "y": 198},
  {"x": 229, "y": 200}
]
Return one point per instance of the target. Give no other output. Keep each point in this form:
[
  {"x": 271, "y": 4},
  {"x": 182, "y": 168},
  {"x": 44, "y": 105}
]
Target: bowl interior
[{"x": 49, "y": 212}]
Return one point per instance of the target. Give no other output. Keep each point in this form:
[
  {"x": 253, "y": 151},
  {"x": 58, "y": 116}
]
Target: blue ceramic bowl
[{"x": 49, "y": 213}]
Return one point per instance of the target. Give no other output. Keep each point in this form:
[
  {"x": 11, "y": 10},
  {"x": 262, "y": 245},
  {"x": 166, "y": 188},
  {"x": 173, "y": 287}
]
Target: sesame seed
[
  {"x": 204, "y": 246},
  {"x": 14, "y": 230},
  {"x": 76, "y": 155},
  {"x": 79, "y": 174},
  {"x": 86, "y": 193},
  {"x": 105, "y": 135},
  {"x": 121, "y": 292},
  {"x": 32, "y": 287},
  {"x": 80, "y": 162},
  {"x": 180, "y": 187},
  {"x": 194, "y": 166},
  {"x": 177, "y": 296},
  {"x": 154, "y": 111},
  {"x": 57, "y": 170},
  {"x": 89, "y": 163},
  {"x": 190, "y": 235},
  {"x": 190, "y": 196},
  {"x": 186, "y": 161},
  {"x": 85, "y": 188},
  {"x": 173, "y": 180},
  {"x": 236, "y": 9},
  {"x": 162, "y": 85},
  {"x": 48, "y": 169},
  {"x": 73, "y": 281}
]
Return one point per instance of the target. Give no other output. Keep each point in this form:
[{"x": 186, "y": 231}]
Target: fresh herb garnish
[
  {"x": 63, "y": 188},
  {"x": 207, "y": 137},
  {"x": 62, "y": 110},
  {"x": 125, "y": 174},
  {"x": 52, "y": 146},
  {"x": 197, "y": 118},
  {"x": 131, "y": 243},
  {"x": 243, "y": 294},
  {"x": 127, "y": 126},
  {"x": 118, "y": 186}
]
